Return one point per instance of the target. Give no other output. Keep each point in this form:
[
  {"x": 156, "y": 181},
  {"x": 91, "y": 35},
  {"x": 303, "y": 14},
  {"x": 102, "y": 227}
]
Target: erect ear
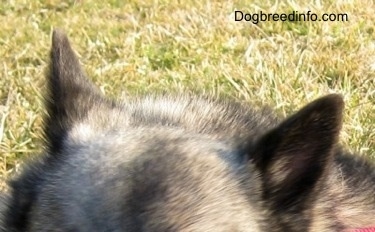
[
  {"x": 70, "y": 95},
  {"x": 293, "y": 157}
]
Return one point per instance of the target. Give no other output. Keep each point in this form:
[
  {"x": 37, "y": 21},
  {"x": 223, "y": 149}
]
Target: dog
[{"x": 185, "y": 163}]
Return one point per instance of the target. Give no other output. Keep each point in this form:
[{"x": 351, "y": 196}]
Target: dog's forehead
[{"x": 172, "y": 184}]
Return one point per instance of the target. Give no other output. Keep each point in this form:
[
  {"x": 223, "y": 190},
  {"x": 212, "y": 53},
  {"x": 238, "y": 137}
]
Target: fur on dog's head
[{"x": 173, "y": 163}]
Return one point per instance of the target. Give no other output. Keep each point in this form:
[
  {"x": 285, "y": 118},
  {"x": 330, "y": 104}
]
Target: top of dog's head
[
  {"x": 176, "y": 163},
  {"x": 290, "y": 158}
]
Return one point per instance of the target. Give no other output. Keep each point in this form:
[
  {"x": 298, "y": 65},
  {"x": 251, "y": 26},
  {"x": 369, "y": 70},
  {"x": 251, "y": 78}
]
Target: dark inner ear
[
  {"x": 71, "y": 94},
  {"x": 293, "y": 157}
]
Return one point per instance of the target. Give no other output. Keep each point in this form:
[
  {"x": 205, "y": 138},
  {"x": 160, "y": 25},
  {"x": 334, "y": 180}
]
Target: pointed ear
[
  {"x": 70, "y": 96},
  {"x": 293, "y": 157}
]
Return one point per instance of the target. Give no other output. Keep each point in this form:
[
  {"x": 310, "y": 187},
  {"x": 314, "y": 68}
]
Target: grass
[{"x": 153, "y": 45}]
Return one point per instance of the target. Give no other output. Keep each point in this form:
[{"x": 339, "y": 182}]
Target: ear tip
[
  {"x": 333, "y": 102},
  {"x": 335, "y": 97},
  {"x": 58, "y": 38}
]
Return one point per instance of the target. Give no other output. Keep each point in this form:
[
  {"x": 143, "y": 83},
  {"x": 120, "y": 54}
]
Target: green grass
[{"x": 147, "y": 45}]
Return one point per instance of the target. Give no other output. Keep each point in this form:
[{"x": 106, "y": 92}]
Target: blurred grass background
[{"x": 173, "y": 45}]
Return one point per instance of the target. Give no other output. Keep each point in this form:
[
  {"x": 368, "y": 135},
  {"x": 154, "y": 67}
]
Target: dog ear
[
  {"x": 71, "y": 94},
  {"x": 293, "y": 157}
]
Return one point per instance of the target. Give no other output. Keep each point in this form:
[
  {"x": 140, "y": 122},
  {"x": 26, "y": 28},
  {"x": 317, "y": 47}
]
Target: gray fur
[{"x": 184, "y": 163}]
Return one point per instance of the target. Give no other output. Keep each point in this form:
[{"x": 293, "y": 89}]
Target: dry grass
[{"x": 148, "y": 45}]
